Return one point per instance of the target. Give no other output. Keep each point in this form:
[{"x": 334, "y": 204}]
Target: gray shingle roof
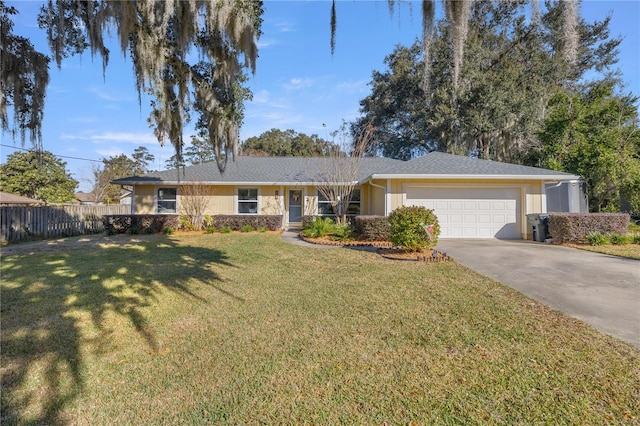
[
  {"x": 264, "y": 170},
  {"x": 305, "y": 170},
  {"x": 441, "y": 164}
]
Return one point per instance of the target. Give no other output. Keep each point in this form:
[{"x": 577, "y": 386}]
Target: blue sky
[{"x": 298, "y": 83}]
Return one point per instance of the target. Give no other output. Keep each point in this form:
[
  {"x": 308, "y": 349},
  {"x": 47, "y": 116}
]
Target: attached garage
[{"x": 471, "y": 212}]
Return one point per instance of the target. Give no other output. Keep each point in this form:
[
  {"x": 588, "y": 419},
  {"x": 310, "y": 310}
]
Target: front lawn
[
  {"x": 246, "y": 329},
  {"x": 630, "y": 251}
]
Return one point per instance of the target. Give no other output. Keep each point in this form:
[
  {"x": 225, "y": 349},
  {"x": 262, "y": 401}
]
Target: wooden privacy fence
[{"x": 17, "y": 223}]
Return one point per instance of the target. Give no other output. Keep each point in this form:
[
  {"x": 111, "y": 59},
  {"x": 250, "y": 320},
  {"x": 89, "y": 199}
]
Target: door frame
[{"x": 287, "y": 205}]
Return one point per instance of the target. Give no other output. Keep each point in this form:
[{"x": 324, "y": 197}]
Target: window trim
[
  {"x": 157, "y": 199},
  {"x": 237, "y": 200}
]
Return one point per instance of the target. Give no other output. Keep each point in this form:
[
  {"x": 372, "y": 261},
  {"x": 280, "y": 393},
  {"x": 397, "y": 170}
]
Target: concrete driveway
[{"x": 601, "y": 290}]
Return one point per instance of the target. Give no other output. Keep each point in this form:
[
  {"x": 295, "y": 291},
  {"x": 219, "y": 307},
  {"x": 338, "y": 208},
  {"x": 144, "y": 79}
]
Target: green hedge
[
  {"x": 373, "y": 228},
  {"x": 574, "y": 227},
  {"x": 138, "y": 223},
  {"x": 237, "y": 222}
]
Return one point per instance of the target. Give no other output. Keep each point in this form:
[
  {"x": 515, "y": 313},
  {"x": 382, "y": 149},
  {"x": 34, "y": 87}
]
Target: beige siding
[
  {"x": 222, "y": 200},
  {"x": 143, "y": 199},
  {"x": 376, "y": 200},
  {"x": 270, "y": 203}
]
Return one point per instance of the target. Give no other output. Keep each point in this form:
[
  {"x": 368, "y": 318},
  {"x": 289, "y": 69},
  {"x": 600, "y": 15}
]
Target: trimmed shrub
[
  {"x": 574, "y": 227},
  {"x": 236, "y": 222},
  {"x": 410, "y": 226},
  {"x": 133, "y": 224},
  {"x": 373, "y": 228}
]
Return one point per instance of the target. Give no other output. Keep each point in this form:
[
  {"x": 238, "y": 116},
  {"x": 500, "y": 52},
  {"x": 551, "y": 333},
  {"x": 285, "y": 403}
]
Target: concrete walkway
[
  {"x": 601, "y": 290},
  {"x": 292, "y": 236}
]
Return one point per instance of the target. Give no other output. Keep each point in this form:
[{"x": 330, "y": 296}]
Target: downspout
[{"x": 384, "y": 188}]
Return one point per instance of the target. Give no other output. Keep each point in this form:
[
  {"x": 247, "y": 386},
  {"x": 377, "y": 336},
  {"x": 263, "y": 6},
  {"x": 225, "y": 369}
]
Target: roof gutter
[{"x": 554, "y": 178}]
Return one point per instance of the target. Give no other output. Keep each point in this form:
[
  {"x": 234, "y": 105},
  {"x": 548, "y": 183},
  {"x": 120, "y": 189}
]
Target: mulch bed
[
  {"x": 425, "y": 256},
  {"x": 384, "y": 249}
]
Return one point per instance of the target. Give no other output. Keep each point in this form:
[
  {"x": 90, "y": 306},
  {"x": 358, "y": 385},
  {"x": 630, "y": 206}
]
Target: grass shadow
[{"x": 54, "y": 303}]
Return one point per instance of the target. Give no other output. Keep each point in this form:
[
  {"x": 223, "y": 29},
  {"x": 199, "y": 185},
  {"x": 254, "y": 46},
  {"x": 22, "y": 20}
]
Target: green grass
[
  {"x": 630, "y": 251},
  {"x": 246, "y": 329}
]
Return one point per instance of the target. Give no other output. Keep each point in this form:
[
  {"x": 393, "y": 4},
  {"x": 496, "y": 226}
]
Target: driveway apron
[{"x": 601, "y": 290}]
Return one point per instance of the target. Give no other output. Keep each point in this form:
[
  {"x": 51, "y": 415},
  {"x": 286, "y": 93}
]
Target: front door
[{"x": 295, "y": 206}]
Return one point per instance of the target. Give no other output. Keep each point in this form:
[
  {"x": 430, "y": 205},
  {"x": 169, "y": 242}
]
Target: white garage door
[{"x": 471, "y": 212}]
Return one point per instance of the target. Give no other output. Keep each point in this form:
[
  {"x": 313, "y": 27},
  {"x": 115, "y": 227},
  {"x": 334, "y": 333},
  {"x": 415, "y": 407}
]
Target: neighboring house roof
[
  {"x": 6, "y": 198},
  {"x": 86, "y": 197},
  {"x": 307, "y": 170}
]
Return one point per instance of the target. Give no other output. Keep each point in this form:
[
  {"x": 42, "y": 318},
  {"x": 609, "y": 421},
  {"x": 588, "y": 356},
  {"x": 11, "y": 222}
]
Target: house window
[
  {"x": 247, "y": 200},
  {"x": 324, "y": 205},
  {"x": 325, "y": 209},
  {"x": 167, "y": 200},
  {"x": 354, "y": 205}
]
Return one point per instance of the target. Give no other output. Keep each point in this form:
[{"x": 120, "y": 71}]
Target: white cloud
[
  {"x": 111, "y": 96},
  {"x": 263, "y": 43},
  {"x": 116, "y": 137},
  {"x": 357, "y": 86},
  {"x": 109, "y": 152},
  {"x": 298, "y": 83},
  {"x": 285, "y": 26}
]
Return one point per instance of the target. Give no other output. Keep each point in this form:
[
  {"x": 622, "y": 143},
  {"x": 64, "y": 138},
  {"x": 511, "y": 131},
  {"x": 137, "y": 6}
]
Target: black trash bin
[
  {"x": 540, "y": 224},
  {"x": 544, "y": 226}
]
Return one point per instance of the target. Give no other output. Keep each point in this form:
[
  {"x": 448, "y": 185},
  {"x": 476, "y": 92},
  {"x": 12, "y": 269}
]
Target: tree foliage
[
  {"x": 457, "y": 15},
  {"x": 199, "y": 151},
  {"x": 286, "y": 143},
  {"x": 142, "y": 158},
  {"x": 24, "y": 75},
  {"x": 596, "y": 135},
  {"x": 511, "y": 67},
  {"x": 340, "y": 167},
  {"x": 159, "y": 36},
  {"x": 39, "y": 175},
  {"x": 114, "y": 167}
]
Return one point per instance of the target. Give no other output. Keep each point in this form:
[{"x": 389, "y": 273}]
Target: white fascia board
[
  {"x": 554, "y": 178},
  {"x": 215, "y": 183}
]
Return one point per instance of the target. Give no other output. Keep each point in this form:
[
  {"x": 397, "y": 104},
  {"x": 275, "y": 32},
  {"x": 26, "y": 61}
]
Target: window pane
[
  {"x": 355, "y": 195},
  {"x": 354, "y": 208},
  {"x": 248, "y": 194},
  {"x": 325, "y": 209},
  {"x": 166, "y": 206},
  {"x": 167, "y": 193},
  {"x": 248, "y": 207},
  {"x": 167, "y": 200},
  {"x": 247, "y": 200}
]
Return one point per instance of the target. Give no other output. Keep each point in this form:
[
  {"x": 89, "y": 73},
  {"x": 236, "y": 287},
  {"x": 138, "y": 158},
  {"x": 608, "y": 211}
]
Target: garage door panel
[{"x": 471, "y": 213}]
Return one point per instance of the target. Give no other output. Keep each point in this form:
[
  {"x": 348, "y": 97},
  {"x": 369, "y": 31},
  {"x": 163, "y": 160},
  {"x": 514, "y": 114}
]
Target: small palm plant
[{"x": 319, "y": 227}]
